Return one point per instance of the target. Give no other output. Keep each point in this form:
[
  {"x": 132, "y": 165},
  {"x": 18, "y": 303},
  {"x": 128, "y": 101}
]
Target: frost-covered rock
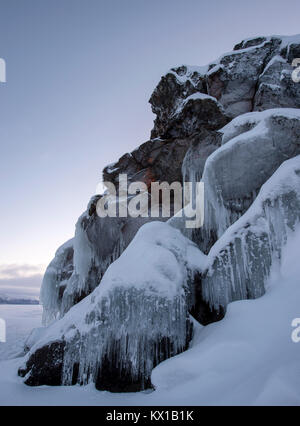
[
  {"x": 256, "y": 75},
  {"x": 170, "y": 93},
  {"x": 98, "y": 242},
  {"x": 239, "y": 263},
  {"x": 254, "y": 146},
  {"x": 132, "y": 306},
  {"x": 276, "y": 87},
  {"x": 233, "y": 78},
  {"x": 151, "y": 162},
  {"x": 134, "y": 320},
  {"x": 195, "y": 112}
]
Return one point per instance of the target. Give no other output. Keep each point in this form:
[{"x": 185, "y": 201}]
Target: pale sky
[{"x": 79, "y": 76}]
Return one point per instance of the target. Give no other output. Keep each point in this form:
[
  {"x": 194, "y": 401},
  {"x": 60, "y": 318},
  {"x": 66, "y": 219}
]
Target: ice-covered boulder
[
  {"x": 97, "y": 243},
  {"x": 239, "y": 263},
  {"x": 254, "y": 146},
  {"x": 134, "y": 320}
]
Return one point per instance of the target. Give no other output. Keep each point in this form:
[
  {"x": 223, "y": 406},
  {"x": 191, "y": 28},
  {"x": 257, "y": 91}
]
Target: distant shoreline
[{"x": 18, "y": 302}]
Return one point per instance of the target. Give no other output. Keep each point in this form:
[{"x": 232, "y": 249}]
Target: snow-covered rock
[
  {"x": 134, "y": 286},
  {"x": 134, "y": 320},
  {"x": 189, "y": 115},
  {"x": 254, "y": 146},
  {"x": 97, "y": 243},
  {"x": 256, "y": 75},
  {"x": 189, "y": 103},
  {"x": 174, "y": 87},
  {"x": 233, "y": 78},
  {"x": 276, "y": 87}
]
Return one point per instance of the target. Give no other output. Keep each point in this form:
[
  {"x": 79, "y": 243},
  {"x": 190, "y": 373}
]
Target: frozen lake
[{"x": 20, "y": 320}]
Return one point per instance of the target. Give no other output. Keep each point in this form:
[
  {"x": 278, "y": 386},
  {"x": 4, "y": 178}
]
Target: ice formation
[
  {"x": 135, "y": 319},
  {"x": 254, "y": 146},
  {"x": 80, "y": 264},
  {"x": 239, "y": 263},
  {"x": 55, "y": 281}
]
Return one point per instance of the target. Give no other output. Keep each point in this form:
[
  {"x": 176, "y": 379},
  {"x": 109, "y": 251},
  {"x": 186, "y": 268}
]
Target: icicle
[{"x": 240, "y": 262}]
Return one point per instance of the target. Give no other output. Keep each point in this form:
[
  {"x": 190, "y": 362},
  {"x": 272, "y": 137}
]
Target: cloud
[
  {"x": 21, "y": 280},
  {"x": 20, "y": 271}
]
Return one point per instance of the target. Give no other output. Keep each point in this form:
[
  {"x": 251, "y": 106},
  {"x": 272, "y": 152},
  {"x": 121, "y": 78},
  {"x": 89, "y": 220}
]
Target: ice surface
[{"x": 20, "y": 320}]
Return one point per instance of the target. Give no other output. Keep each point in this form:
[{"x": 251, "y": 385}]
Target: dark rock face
[
  {"x": 45, "y": 366},
  {"x": 200, "y": 309},
  {"x": 233, "y": 80},
  {"x": 114, "y": 376},
  {"x": 193, "y": 114},
  {"x": 150, "y": 162},
  {"x": 276, "y": 87},
  {"x": 172, "y": 90},
  {"x": 250, "y": 43}
]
